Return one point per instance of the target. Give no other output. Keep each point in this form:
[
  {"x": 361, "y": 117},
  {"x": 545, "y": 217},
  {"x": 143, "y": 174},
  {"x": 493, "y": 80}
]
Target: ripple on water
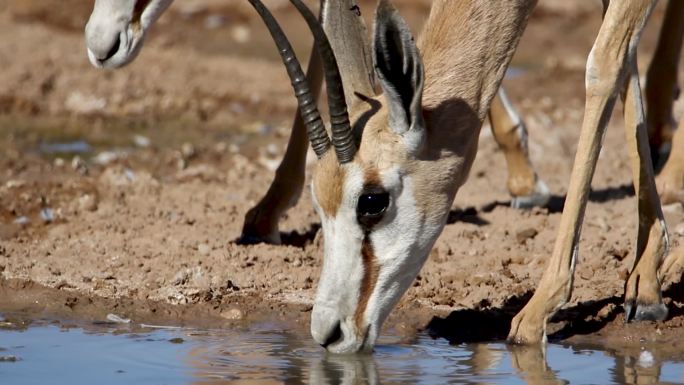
[{"x": 266, "y": 353}]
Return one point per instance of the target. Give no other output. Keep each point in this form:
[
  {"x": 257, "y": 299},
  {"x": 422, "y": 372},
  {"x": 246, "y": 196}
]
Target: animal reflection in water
[{"x": 471, "y": 363}]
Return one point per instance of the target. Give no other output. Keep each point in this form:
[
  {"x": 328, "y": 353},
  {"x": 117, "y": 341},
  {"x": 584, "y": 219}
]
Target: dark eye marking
[{"x": 372, "y": 204}]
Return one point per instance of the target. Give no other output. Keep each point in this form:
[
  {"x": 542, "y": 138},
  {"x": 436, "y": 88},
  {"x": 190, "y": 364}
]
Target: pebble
[
  {"x": 117, "y": 319},
  {"x": 47, "y": 215},
  {"x": 233, "y": 314},
  {"x": 141, "y": 141},
  {"x": 673, "y": 208},
  {"x": 87, "y": 202},
  {"x": 188, "y": 150},
  {"x": 524, "y": 235},
  {"x": 203, "y": 249},
  {"x": 240, "y": 34},
  {"x": 679, "y": 229},
  {"x": 22, "y": 220}
]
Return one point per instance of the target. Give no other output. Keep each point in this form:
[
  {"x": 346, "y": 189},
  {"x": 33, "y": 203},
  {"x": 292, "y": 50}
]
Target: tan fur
[
  {"x": 464, "y": 66},
  {"x": 328, "y": 183}
]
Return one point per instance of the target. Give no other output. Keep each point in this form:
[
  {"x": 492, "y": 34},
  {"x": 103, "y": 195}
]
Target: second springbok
[
  {"x": 115, "y": 35},
  {"x": 399, "y": 158}
]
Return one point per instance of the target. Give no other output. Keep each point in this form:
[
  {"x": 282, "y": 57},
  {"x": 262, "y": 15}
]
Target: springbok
[
  {"x": 399, "y": 158},
  {"x": 115, "y": 34}
]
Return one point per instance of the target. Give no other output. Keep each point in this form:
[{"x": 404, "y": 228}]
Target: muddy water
[{"x": 267, "y": 353}]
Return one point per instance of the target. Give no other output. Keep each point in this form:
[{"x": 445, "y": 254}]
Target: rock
[
  {"x": 116, "y": 319},
  {"x": 203, "y": 249},
  {"x": 141, "y": 141},
  {"x": 188, "y": 150},
  {"x": 233, "y": 314},
  {"x": 240, "y": 34},
  {"x": 679, "y": 229},
  {"x": 524, "y": 235},
  {"x": 47, "y": 215},
  {"x": 84, "y": 104},
  {"x": 87, "y": 202}
]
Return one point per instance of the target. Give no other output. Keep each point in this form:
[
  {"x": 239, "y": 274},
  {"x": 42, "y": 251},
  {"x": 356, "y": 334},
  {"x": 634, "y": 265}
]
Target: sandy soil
[{"x": 181, "y": 143}]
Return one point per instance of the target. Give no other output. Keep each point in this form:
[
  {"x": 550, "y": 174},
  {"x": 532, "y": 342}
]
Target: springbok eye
[{"x": 372, "y": 205}]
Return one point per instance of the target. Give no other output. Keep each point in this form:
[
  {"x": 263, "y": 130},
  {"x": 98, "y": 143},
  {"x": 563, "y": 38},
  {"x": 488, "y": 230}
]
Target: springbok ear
[{"x": 399, "y": 69}]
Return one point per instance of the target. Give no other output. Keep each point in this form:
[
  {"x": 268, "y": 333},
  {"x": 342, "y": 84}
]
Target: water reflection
[
  {"x": 267, "y": 354},
  {"x": 344, "y": 370}
]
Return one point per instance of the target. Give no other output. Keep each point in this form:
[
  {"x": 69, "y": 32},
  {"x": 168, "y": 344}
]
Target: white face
[
  {"x": 375, "y": 245},
  {"x": 116, "y": 29}
]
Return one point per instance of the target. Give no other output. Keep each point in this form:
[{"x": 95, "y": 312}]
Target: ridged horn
[
  {"x": 320, "y": 142},
  {"x": 340, "y": 127}
]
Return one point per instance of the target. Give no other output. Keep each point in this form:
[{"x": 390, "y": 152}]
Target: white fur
[
  {"x": 401, "y": 243},
  {"x": 112, "y": 19}
]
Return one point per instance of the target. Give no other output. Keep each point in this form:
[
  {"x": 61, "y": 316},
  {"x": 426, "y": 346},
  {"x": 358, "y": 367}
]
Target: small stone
[
  {"x": 188, "y": 150},
  {"x": 203, "y": 249},
  {"x": 679, "y": 229},
  {"x": 117, "y": 319},
  {"x": 623, "y": 274},
  {"x": 141, "y": 141},
  {"x": 87, "y": 202},
  {"x": 240, "y": 34},
  {"x": 524, "y": 235},
  {"x": 47, "y": 215},
  {"x": 586, "y": 274},
  {"x": 232, "y": 314},
  {"x": 673, "y": 208}
]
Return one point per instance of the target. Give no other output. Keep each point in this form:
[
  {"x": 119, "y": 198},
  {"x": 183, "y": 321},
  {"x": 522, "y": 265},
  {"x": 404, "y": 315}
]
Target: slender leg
[
  {"x": 607, "y": 68},
  {"x": 643, "y": 285},
  {"x": 661, "y": 82},
  {"x": 671, "y": 179},
  {"x": 261, "y": 221},
  {"x": 510, "y": 134},
  {"x": 530, "y": 364}
]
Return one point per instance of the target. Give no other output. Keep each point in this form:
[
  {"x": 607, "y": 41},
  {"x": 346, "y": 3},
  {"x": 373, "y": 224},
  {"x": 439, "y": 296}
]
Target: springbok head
[
  {"x": 382, "y": 194},
  {"x": 116, "y": 29}
]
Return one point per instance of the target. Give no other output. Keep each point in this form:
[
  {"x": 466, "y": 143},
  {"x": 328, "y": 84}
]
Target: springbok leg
[
  {"x": 607, "y": 67},
  {"x": 671, "y": 179},
  {"x": 661, "y": 83},
  {"x": 642, "y": 289},
  {"x": 510, "y": 134},
  {"x": 661, "y": 90},
  {"x": 261, "y": 221}
]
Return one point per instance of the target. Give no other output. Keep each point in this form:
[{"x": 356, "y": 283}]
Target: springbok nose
[
  {"x": 326, "y": 328},
  {"x": 113, "y": 50},
  {"x": 335, "y": 335},
  {"x": 103, "y": 42}
]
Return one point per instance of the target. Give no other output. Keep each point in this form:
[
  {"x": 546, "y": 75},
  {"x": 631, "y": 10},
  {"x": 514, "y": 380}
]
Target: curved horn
[
  {"x": 342, "y": 137},
  {"x": 307, "y": 105}
]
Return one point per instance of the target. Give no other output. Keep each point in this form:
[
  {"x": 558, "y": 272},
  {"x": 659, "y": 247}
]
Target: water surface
[{"x": 268, "y": 353}]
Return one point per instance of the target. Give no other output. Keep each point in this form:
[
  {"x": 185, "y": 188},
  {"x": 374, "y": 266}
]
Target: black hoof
[{"x": 644, "y": 312}]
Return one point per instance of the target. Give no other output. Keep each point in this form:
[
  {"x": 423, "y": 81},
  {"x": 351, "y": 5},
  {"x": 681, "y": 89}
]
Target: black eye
[{"x": 371, "y": 206}]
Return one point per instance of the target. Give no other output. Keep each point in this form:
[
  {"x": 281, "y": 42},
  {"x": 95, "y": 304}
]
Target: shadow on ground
[{"x": 487, "y": 324}]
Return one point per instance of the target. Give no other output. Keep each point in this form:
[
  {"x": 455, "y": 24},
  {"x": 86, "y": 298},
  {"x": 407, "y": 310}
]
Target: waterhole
[{"x": 50, "y": 352}]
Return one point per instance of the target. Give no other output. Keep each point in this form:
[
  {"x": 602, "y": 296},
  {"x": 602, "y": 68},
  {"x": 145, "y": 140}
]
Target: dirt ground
[{"x": 124, "y": 191}]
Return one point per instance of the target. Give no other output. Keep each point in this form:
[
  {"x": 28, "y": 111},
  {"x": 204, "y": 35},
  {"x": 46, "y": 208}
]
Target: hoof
[
  {"x": 539, "y": 198},
  {"x": 643, "y": 312}
]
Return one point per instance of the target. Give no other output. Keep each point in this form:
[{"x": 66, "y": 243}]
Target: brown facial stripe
[{"x": 370, "y": 278}]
